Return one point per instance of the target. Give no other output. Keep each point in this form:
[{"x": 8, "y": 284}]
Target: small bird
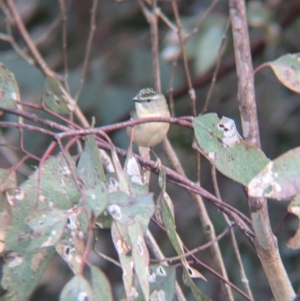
[{"x": 149, "y": 103}]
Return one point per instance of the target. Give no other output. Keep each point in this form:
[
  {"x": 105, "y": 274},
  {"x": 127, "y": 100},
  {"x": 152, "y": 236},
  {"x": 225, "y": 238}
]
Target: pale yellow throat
[{"x": 150, "y": 103}]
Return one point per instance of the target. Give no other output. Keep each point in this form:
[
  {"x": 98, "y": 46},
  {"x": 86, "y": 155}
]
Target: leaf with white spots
[
  {"x": 57, "y": 190},
  {"x": 135, "y": 178},
  {"x": 47, "y": 227},
  {"x": 22, "y": 272},
  {"x": 164, "y": 284},
  {"x": 9, "y": 90},
  {"x": 55, "y": 97},
  {"x": 140, "y": 257},
  {"x": 125, "y": 209},
  {"x": 287, "y": 70},
  {"x": 96, "y": 198},
  {"x": 220, "y": 142},
  {"x": 162, "y": 280},
  {"x": 280, "y": 179},
  {"x": 122, "y": 244},
  {"x": 77, "y": 289},
  {"x": 90, "y": 170}
]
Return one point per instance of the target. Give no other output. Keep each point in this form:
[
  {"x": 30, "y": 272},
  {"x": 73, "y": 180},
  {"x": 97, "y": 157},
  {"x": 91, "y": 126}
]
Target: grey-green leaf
[
  {"x": 9, "y": 90},
  {"x": 54, "y": 97},
  {"x": 23, "y": 271},
  {"x": 47, "y": 226},
  {"x": 140, "y": 257},
  {"x": 76, "y": 289},
  {"x": 219, "y": 140},
  {"x": 90, "y": 168},
  {"x": 100, "y": 285},
  {"x": 280, "y": 179}
]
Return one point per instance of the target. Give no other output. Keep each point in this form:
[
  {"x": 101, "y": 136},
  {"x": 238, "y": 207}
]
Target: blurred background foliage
[{"x": 121, "y": 64}]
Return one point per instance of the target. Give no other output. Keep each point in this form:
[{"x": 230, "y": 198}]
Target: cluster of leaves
[{"x": 57, "y": 207}]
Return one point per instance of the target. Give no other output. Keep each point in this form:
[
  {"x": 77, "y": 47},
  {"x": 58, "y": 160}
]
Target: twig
[
  {"x": 203, "y": 17},
  {"x": 27, "y": 39},
  {"x": 64, "y": 42},
  {"x": 88, "y": 48},
  {"x": 192, "y": 93},
  {"x": 244, "y": 278},
  {"x": 151, "y": 18},
  {"x": 214, "y": 77},
  {"x": 202, "y": 248}
]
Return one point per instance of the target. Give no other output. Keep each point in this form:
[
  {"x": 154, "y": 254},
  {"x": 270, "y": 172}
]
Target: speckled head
[{"x": 147, "y": 95}]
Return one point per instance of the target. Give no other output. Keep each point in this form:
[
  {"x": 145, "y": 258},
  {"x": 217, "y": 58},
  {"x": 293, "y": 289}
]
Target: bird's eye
[{"x": 149, "y": 100}]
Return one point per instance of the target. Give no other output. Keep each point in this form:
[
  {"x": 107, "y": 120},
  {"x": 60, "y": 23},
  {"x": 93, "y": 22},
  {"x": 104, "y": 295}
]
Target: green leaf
[
  {"x": 96, "y": 198},
  {"x": 137, "y": 184},
  {"x": 57, "y": 189},
  {"x": 219, "y": 140},
  {"x": 124, "y": 186},
  {"x": 122, "y": 244},
  {"x": 9, "y": 90},
  {"x": 287, "y": 70},
  {"x": 126, "y": 209},
  {"x": 76, "y": 289},
  {"x": 55, "y": 97},
  {"x": 140, "y": 257},
  {"x": 90, "y": 167},
  {"x": 22, "y": 272},
  {"x": 92, "y": 175},
  {"x": 100, "y": 285},
  {"x": 280, "y": 179},
  {"x": 162, "y": 283},
  {"x": 47, "y": 227}
]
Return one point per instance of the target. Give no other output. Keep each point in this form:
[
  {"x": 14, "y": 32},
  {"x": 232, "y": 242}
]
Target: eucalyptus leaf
[
  {"x": 140, "y": 257},
  {"x": 100, "y": 285},
  {"x": 22, "y": 273},
  {"x": 280, "y": 179},
  {"x": 90, "y": 168},
  {"x": 9, "y": 90},
  {"x": 287, "y": 70},
  {"x": 76, "y": 289},
  {"x": 126, "y": 209},
  {"x": 122, "y": 244},
  {"x": 219, "y": 140},
  {"x": 55, "y": 97}
]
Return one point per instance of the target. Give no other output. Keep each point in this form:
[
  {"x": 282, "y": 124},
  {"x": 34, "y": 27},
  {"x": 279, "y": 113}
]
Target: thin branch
[
  {"x": 203, "y": 17},
  {"x": 28, "y": 41},
  {"x": 88, "y": 48},
  {"x": 244, "y": 278},
  {"x": 151, "y": 18},
  {"x": 192, "y": 93},
  {"x": 198, "y": 249},
  {"x": 64, "y": 42},
  {"x": 214, "y": 77}
]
